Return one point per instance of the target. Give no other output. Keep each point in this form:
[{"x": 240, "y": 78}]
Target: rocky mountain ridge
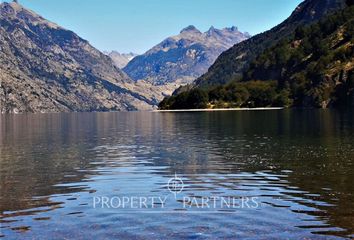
[
  {"x": 46, "y": 68},
  {"x": 184, "y": 57}
]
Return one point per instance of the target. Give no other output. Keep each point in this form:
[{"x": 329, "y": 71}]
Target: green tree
[
  {"x": 240, "y": 95},
  {"x": 283, "y": 99},
  {"x": 262, "y": 94},
  {"x": 217, "y": 94},
  {"x": 164, "y": 104},
  {"x": 181, "y": 101},
  {"x": 197, "y": 98},
  {"x": 301, "y": 32}
]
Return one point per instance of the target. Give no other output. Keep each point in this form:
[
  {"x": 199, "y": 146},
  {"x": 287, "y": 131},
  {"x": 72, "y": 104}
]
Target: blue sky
[{"x": 137, "y": 25}]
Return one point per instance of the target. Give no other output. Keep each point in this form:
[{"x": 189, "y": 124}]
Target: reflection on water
[{"x": 299, "y": 164}]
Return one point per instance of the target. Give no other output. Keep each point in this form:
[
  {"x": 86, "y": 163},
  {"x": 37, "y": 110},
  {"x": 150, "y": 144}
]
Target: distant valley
[
  {"x": 46, "y": 68},
  {"x": 305, "y": 61}
]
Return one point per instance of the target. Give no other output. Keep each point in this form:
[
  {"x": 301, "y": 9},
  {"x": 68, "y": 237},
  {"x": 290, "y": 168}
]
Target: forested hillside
[
  {"x": 311, "y": 67},
  {"x": 232, "y": 63}
]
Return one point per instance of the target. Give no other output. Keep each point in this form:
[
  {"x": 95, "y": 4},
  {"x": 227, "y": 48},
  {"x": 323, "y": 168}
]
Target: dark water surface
[{"x": 296, "y": 165}]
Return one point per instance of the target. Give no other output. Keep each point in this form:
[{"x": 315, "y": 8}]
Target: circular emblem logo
[{"x": 175, "y": 185}]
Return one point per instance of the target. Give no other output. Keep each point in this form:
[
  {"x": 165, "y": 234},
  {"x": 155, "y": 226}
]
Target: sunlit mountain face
[{"x": 184, "y": 57}]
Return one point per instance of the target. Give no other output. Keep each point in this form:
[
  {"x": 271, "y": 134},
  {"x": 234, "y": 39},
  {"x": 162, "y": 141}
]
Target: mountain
[
  {"x": 184, "y": 57},
  {"x": 315, "y": 65},
  {"x": 121, "y": 59},
  {"x": 231, "y": 64},
  {"x": 311, "y": 66},
  {"x": 46, "y": 68}
]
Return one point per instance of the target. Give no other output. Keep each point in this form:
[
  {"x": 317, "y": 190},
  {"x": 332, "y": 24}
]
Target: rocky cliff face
[
  {"x": 121, "y": 59},
  {"x": 184, "y": 57},
  {"x": 46, "y": 68}
]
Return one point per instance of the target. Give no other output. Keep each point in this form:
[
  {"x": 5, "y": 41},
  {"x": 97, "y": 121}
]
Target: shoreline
[
  {"x": 155, "y": 111},
  {"x": 221, "y": 109}
]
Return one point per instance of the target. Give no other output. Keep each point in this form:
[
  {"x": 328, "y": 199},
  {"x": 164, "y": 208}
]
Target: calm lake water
[{"x": 295, "y": 167}]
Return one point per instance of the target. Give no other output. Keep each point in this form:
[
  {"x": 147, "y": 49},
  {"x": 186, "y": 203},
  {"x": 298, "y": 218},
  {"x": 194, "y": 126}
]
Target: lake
[{"x": 199, "y": 175}]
